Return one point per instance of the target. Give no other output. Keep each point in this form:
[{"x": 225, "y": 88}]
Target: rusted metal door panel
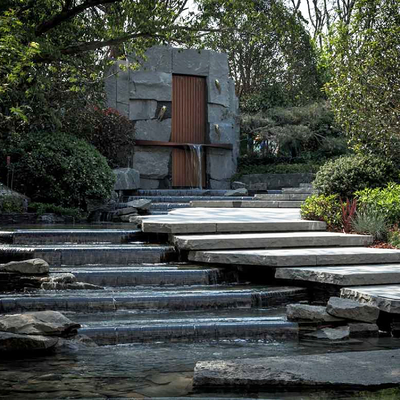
[{"x": 188, "y": 126}]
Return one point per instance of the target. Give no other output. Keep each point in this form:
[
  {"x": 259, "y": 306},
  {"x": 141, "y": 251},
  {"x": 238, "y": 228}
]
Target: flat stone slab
[
  {"x": 245, "y": 204},
  {"x": 354, "y": 275},
  {"x": 308, "y": 313},
  {"x": 357, "y": 370},
  {"x": 297, "y": 257},
  {"x": 351, "y": 309},
  {"x": 269, "y": 240},
  {"x": 283, "y": 196},
  {"x": 385, "y": 297}
]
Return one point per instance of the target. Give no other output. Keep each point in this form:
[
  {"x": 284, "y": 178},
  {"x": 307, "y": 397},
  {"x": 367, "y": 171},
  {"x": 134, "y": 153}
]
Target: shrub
[
  {"x": 323, "y": 208},
  {"x": 106, "y": 129},
  {"x": 372, "y": 222},
  {"x": 394, "y": 238},
  {"x": 385, "y": 201},
  {"x": 59, "y": 168},
  {"x": 11, "y": 204},
  {"x": 42, "y": 208},
  {"x": 348, "y": 174}
]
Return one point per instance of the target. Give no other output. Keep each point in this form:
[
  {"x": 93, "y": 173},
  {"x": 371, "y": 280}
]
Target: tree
[
  {"x": 365, "y": 86},
  {"x": 53, "y": 52},
  {"x": 269, "y": 52}
]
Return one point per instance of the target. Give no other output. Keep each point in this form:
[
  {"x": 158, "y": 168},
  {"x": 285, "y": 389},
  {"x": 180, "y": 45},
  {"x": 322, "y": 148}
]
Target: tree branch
[{"x": 67, "y": 14}]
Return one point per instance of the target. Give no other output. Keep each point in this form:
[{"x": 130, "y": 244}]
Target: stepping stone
[
  {"x": 269, "y": 240},
  {"x": 57, "y": 255},
  {"x": 197, "y": 330},
  {"x": 350, "y": 309},
  {"x": 307, "y": 313},
  {"x": 338, "y": 333},
  {"x": 297, "y": 257},
  {"x": 151, "y": 226},
  {"x": 52, "y": 236},
  {"x": 385, "y": 297},
  {"x": 351, "y": 275},
  {"x": 358, "y": 370},
  {"x": 178, "y": 299}
]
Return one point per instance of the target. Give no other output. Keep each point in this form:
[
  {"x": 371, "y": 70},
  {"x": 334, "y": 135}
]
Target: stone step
[
  {"x": 269, "y": 240},
  {"x": 148, "y": 275},
  {"x": 177, "y": 299},
  {"x": 245, "y": 204},
  {"x": 164, "y": 226},
  {"x": 167, "y": 206},
  {"x": 298, "y": 257},
  {"x": 385, "y": 297},
  {"x": 298, "y": 190},
  {"x": 188, "y": 199},
  {"x": 282, "y": 197},
  {"x": 55, "y": 236},
  {"x": 195, "y": 330},
  {"x": 57, "y": 255},
  {"x": 353, "y": 275},
  {"x": 179, "y": 192}
]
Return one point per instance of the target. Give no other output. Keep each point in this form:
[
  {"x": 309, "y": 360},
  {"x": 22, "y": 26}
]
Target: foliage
[
  {"x": 59, "y": 168},
  {"x": 323, "y": 208},
  {"x": 348, "y": 174},
  {"x": 53, "y": 53},
  {"x": 270, "y": 54},
  {"x": 385, "y": 201},
  {"x": 106, "y": 129},
  {"x": 370, "y": 221},
  {"x": 43, "y": 208},
  {"x": 365, "y": 86},
  {"x": 348, "y": 213},
  {"x": 11, "y": 204},
  {"x": 393, "y": 238}
]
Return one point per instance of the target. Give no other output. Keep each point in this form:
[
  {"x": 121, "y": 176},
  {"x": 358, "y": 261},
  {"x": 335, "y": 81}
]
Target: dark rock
[
  {"x": 307, "y": 313},
  {"x": 46, "y": 323},
  {"x": 34, "y": 266},
  {"x": 351, "y": 309},
  {"x": 361, "y": 329},
  {"x": 15, "y": 343}
]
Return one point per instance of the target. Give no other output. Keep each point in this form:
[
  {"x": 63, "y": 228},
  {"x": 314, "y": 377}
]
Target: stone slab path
[
  {"x": 298, "y": 257},
  {"x": 269, "y": 240},
  {"x": 385, "y": 297},
  {"x": 341, "y": 370},
  {"x": 245, "y": 204},
  {"x": 354, "y": 275}
]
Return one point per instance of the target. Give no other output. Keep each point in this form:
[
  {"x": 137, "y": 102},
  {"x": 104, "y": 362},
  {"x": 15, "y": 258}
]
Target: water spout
[{"x": 195, "y": 159}]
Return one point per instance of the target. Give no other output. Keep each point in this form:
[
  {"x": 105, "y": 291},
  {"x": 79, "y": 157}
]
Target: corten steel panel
[{"x": 188, "y": 126}]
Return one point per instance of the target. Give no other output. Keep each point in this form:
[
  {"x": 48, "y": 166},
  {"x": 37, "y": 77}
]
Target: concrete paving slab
[
  {"x": 351, "y": 275},
  {"x": 357, "y": 370},
  {"x": 298, "y": 257},
  {"x": 269, "y": 240},
  {"x": 385, "y": 297}
]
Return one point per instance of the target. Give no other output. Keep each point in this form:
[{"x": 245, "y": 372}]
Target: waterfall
[{"x": 195, "y": 160}]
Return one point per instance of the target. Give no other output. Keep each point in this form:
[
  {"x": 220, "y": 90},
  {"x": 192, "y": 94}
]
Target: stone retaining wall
[
  {"x": 275, "y": 181},
  {"x": 140, "y": 95}
]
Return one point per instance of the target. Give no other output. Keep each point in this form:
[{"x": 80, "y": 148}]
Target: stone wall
[{"x": 141, "y": 94}]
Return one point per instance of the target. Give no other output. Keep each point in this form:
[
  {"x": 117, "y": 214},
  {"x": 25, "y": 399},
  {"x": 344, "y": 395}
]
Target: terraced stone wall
[{"x": 141, "y": 94}]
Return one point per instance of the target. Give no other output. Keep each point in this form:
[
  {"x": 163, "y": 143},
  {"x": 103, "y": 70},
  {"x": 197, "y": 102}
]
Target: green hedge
[
  {"x": 346, "y": 175},
  {"x": 54, "y": 167}
]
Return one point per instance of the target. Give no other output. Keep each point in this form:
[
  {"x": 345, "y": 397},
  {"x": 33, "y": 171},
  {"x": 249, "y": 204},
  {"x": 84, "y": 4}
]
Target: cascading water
[{"x": 195, "y": 160}]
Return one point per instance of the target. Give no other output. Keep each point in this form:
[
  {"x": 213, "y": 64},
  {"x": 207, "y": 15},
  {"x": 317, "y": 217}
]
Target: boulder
[
  {"x": 14, "y": 343},
  {"x": 45, "y": 323},
  {"x": 307, "y": 313},
  {"x": 236, "y": 192},
  {"x": 34, "y": 266},
  {"x": 126, "y": 211},
  {"x": 362, "y": 329},
  {"x": 338, "y": 333},
  {"x": 351, "y": 309},
  {"x": 238, "y": 185},
  {"x": 17, "y": 198},
  {"x": 140, "y": 204},
  {"x": 126, "y": 179}
]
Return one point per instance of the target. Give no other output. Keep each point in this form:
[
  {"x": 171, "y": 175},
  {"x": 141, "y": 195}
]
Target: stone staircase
[{"x": 148, "y": 295}]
